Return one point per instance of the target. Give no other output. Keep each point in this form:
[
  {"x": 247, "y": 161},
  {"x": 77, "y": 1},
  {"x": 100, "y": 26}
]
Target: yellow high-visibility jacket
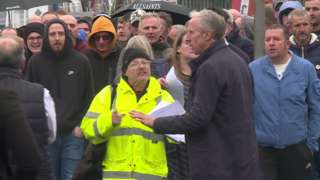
[{"x": 134, "y": 151}]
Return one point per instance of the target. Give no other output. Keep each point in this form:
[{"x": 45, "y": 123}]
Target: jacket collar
[
  {"x": 293, "y": 66},
  {"x": 158, "y": 46},
  {"x": 313, "y": 39},
  {"x": 95, "y": 53},
  {"x": 153, "y": 90},
  {"x": 234, "y": 34},
  {"x": 214, "y": 47},
  {"x": 9, "y": 72}
]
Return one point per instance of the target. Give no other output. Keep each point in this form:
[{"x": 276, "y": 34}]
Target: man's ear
[
  {"x": 208, "y": 35},
  {"x": 288, "y": 43}
]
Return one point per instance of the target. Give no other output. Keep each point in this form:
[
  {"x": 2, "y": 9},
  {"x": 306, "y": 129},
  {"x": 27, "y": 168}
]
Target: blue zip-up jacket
[{"x": 287, "y": 111}]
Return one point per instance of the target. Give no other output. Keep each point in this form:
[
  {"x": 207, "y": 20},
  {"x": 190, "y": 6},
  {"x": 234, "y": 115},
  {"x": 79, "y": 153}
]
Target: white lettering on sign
[{"x": 147, "y": 6}]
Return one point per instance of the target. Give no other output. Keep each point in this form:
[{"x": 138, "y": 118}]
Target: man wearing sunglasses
[{"x": 103, "y": 53}]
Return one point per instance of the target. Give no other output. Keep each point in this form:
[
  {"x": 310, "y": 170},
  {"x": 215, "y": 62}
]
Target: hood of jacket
[
  {"x": 46, "y": 48},
  {"x": 102, "y": 24},
  {"x": 288, "y": 6},
  {"x": 313, "y": 39}
]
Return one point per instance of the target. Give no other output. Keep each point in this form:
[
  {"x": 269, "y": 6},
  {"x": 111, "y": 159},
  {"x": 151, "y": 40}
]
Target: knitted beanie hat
[
  {"x": 131, "y": 54},
  {"x": 33, "y": 27}
]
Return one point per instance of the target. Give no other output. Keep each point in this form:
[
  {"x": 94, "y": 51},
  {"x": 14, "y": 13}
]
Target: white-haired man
[{"x": 218, "y": 123}]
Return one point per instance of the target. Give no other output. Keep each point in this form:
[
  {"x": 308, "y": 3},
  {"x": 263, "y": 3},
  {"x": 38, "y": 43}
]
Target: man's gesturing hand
[{"x": 145, "y": 119}]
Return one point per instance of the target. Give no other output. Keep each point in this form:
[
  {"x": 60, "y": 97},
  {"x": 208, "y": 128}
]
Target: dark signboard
[{"x": 200, "y": 4}]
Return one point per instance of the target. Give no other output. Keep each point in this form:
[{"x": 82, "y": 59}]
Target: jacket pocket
[
  {"x": 118, "y": 149},
  {"x": 297, "y": 90},
  {"x": 154, "y": 153}
]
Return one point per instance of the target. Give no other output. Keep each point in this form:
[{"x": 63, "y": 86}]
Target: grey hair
[
  {"x": 299, "y": 13},
  {"x": 210, "y": 21},
  {"x": 11, "y": 51},
  {"x": 230, "y": 19},
  {"x": 150, "y": 15},
  {"x": 179, "y": 27}
]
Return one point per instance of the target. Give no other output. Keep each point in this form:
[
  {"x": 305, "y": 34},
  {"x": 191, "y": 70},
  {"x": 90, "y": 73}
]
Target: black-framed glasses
[
  {"x": 137, "y": 63},
  {"x": 37, "y": 38}
]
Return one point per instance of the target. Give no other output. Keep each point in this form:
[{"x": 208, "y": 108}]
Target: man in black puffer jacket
[
  {"x": 17, "y": 138},
  {"x": 19, "y": 156}
]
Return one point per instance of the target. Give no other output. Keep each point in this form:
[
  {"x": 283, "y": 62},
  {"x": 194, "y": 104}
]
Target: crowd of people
[{"x": 96, "y": 97}]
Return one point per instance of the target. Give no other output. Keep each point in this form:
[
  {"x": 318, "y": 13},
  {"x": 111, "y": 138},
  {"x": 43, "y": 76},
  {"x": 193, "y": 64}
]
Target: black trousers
[{"x": 290, "y": 163}]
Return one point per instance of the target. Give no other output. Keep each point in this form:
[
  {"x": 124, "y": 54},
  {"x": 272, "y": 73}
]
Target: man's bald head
[
  {"x": 235, "y": 14},
  {"x": 47, "y": 16},
  {"x": 34, "y": 18},
  {"x": 68, "y": 19},
  {"x": 71, "y": 21},
  {"x": 9, "y": 31},
  {"x": 11, "y": 51}
]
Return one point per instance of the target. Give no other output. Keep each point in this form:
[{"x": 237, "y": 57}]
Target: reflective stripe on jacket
[{"x": 133, "y": 149}]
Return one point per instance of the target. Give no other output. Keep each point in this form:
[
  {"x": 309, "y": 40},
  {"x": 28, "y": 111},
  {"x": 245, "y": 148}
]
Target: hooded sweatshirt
[
  {"x": 100, "y": 25},
  {"x": 68, "y": 77},
  {"x": 286, "y": 7},
  {"x": 104, "y": 68}
]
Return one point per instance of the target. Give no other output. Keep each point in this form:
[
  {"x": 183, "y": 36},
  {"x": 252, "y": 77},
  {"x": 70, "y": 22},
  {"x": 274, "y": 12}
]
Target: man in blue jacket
[{"x": 287, "y": 109}]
